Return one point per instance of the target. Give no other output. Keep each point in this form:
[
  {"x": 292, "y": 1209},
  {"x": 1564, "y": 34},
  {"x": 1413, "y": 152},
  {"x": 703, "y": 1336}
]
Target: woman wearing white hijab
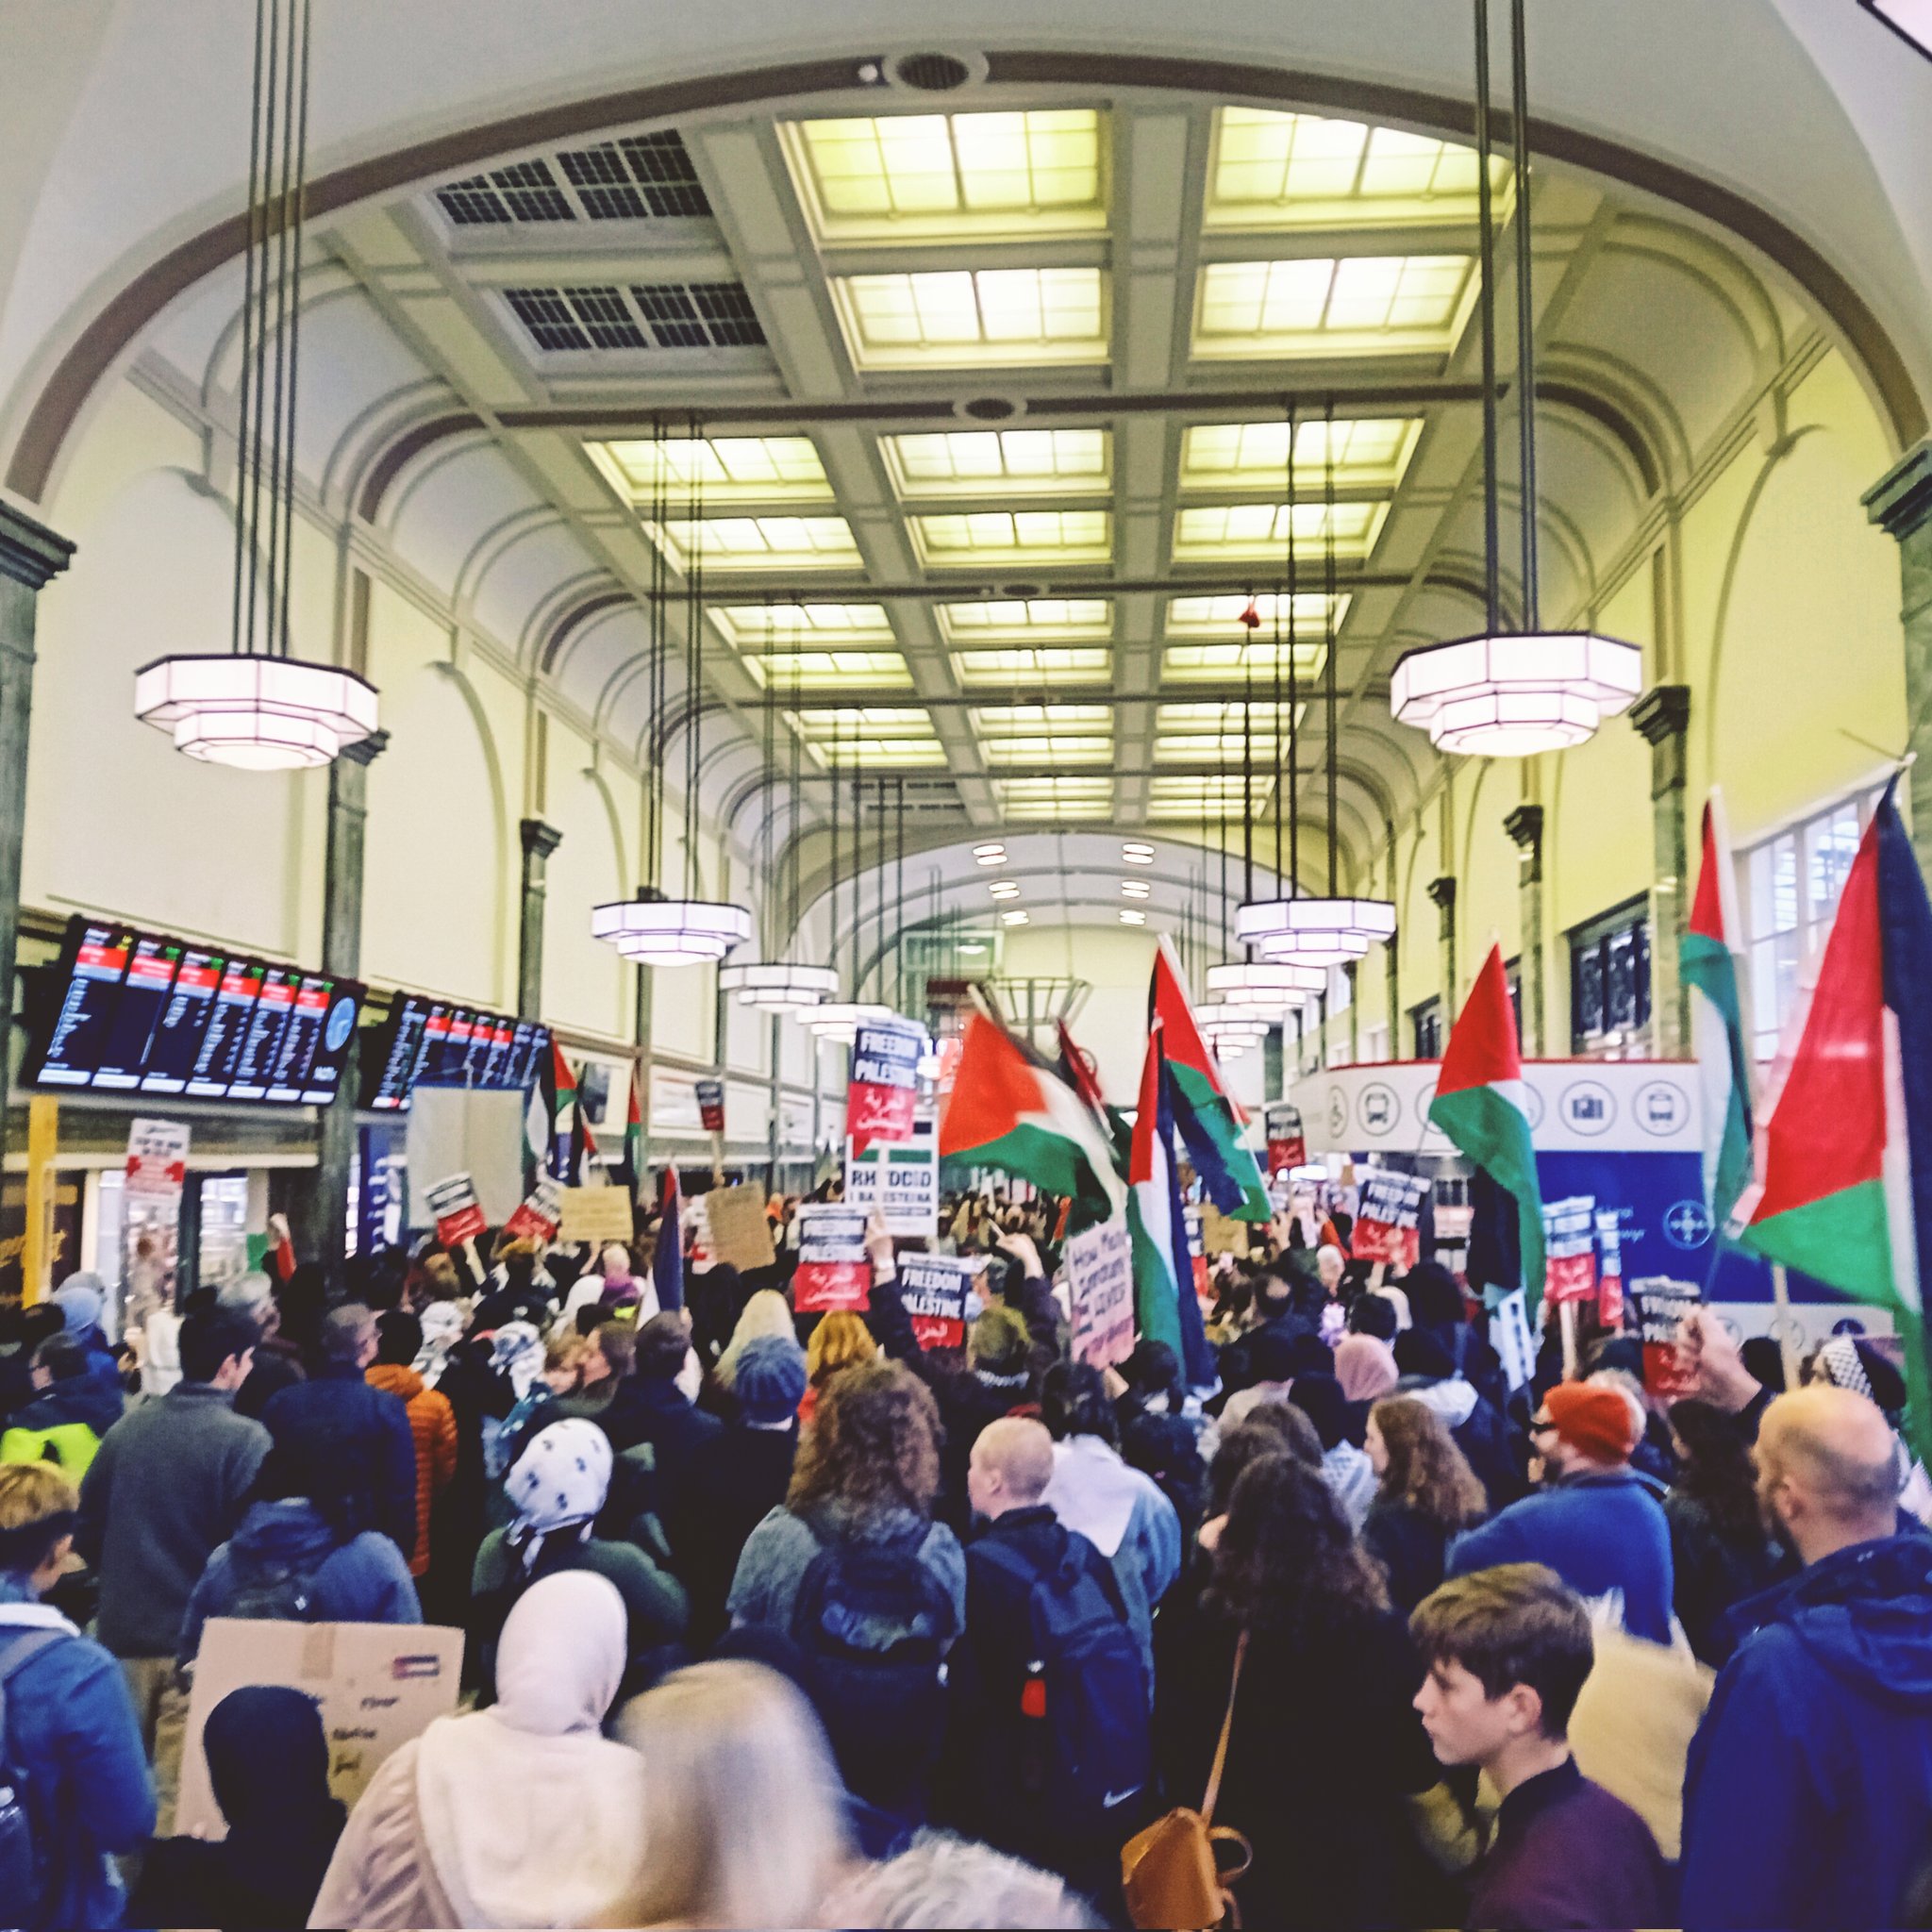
[{"x": 520, "y": 1815}]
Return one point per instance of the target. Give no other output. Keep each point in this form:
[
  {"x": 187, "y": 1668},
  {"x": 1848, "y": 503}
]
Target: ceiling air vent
[
  {"x": 664, "y": 315},
  {"x": 991, "y": 408},
  {"x": 638, "y": 177},
  {"x": 933, "y": 72}
]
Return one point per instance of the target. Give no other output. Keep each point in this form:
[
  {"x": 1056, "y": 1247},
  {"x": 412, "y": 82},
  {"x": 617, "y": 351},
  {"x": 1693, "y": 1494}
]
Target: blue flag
[{"x": 667, "y": 1259}]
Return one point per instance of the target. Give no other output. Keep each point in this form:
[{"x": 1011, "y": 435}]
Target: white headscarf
[
  {"x": 518, "y": 1353},
  {"x": 559, "y": 1482},
  {"x": 442, "y": 1328},
  {"x": 530, "y": 1816}
]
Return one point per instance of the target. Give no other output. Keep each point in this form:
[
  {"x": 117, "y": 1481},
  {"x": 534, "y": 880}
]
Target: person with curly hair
[
  {"x": 841, "y": 1342},
  {"x": 1425, "y": 1493},
  {"x": 855, "y": 1572},
  {"x": 1325, "y": 1747}
]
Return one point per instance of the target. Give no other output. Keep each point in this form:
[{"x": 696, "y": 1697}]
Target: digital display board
[
  {"x": 143, "y": 1012},
  {"x": 427, "y": 1043}
]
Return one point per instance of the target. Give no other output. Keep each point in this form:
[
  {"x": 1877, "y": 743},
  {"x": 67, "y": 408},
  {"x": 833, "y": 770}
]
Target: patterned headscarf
[
  {"x": 442, "y": 1328},
  {"x": 518, "y": 1353},
  {"x": 559, "y": 1483}
]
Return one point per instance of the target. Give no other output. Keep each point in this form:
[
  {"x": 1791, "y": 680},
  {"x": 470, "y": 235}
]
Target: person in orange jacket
[{"x": 432, "y": 1421}]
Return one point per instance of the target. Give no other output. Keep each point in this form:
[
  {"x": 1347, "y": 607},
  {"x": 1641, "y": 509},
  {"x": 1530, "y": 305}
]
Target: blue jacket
[
  {"x": 103, "y": 1379},
  {"x": 1807, "y": 1797},
  {"x": 70, "y": 1729},
  {"x": 1598, "y": 1533},
  {"x": 371, "y": 1425},
  {"x": 362, "y": 1579}
]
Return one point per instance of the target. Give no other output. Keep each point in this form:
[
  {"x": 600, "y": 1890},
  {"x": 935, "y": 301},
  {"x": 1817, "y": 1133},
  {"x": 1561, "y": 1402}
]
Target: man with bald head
[
  {"x": 1049, "y": 1752},
  {"x": 1808, "y": 1798}
]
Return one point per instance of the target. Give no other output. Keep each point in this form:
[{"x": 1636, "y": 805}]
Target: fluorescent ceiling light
[
  {"x": 1315, "y": 305},
  {"x": 1009, "y": 666},
  {"x": 1013, "y": 917},
  {"x": 1209, "y": 533},
  {"x": 1272, "y": 169},
  {"x": 1000, "y": 463},
  {"x": 1134, "y": 853},
  {"x": 1130, "y": 917},
  {"x": 1003, "y": 536},
  {"x": 1371, "y": 453},
  {"x": 732, "y": 544},
  {"x": 950, "y": 177},
  {"x": 1004, "y": 889},
  {"x": 733, "y": 469},
  {"x": 990, "y": 855},
  {"x": 1135, "y": 889},
  {"x": 974, "y": 318}
]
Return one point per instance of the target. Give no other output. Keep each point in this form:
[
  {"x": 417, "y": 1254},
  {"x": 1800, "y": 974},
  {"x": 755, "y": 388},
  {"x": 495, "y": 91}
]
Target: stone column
[
  {"x": 1525, "y": 826},
  {"x": 325, "y": 1235},
  {"x": 539, "y": 841},
  {"x": 1900, "y": 504},
  {"x": 641, "y": 1073},
  {"x": 29, "y": 555},
  {"x": 1352, "y": 972},
  {"x": 1443, "y": 891},
  {"x": 1663, "y": 716}
]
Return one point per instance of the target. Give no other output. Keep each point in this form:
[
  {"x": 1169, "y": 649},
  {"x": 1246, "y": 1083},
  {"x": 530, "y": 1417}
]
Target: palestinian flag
[
  {"x": 1845, "y": 1145},
  {"x": 667, "y": 1259},
  {"x": 563, "y": 1113},
  {"x": 1708, "y": 959},
  {"x": 1076, "y": 1069},
  {"x": 1481, "y": 1104},
  {"x": 1209, "y": 1118},
  {"x": 1165, "y": 1307},
  {"x": 1006, "y": 1111},
  {"x": 630, "y": 1166}
]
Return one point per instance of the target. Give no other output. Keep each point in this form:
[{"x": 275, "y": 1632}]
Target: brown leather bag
[{"x": 1171, "y": 1878}]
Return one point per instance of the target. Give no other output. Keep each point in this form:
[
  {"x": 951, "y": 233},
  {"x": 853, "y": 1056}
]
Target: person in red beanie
[{"x": 1595, "y": 1521}]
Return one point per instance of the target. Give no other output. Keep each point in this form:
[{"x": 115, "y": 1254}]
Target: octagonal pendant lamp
[
  {"x": 255, "y": 707},
  {"x": 1266, "y": 986},
  {"x": 653, "y": 929},
  {"x": 1504, "y": 693},
  {"x": 776, "y": 987}
]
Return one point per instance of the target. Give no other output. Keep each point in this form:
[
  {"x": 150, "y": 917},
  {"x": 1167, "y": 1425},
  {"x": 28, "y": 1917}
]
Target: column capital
[
  {"x": 1662, "y": 712},
  {"x": 1899, "y": 502},
  {"x": 365, "y": 750},
  {"x": 1443, "y": 891},
  {"x": 30, "y": 551},
  {"x": 1525, "y": 826},
  {"x": 540, "y": 841}
]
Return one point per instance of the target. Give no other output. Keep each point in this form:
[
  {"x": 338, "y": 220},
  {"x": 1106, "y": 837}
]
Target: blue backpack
[
  {"x": 1087, "y": 1691},
  {"x": 23, "y": 1852}
]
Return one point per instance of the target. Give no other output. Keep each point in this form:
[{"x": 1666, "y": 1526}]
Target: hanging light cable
[
  {"x": 256, "y": 705},
  {"x": 652, "y": 930},
  {"x": 1509, "y": 693},
  {"x": 839, "y": 1019}
]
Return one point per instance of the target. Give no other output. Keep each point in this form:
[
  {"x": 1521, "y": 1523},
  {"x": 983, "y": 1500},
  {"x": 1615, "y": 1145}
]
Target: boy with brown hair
[{"x": 1506, "y": 1652}]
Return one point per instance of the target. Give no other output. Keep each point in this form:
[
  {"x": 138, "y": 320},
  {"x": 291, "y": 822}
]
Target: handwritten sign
[
  {"x": 1100, "y": 1287},
  {"x": 597, "y": 1215}
]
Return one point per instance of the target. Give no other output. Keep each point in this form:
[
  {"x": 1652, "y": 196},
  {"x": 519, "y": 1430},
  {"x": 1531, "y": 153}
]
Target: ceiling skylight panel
[
  {"x": 776, "y": 542},
  {"x": 1201, "y": 798},
  {"x": 1011, "y": 665},
  {"x": 1221, "y": 616},
  {"x": 1361, "y": 305},
  {"x": 1371, "y": 453},
  {"x": 993, "y": 462},
  {"x": 961, "y": 318},
  {"x": 785, "y": 626},
  {"x": 870, "y": 735},
  {"x": 732, "y": 468},
  {"x": 1259, "y": 530},
  {"x": 1044, "y": 536},
  {"x": 1027, "y": 619},
  {"x": 1256, "y": 657},
  {"x": 787, "y": 671},
  {"x": 1054, "y": 797}
]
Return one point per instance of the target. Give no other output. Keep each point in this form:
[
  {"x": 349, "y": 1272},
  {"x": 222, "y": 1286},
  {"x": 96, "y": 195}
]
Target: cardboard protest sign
[
  {"x": 459, "y": 1215},
  {"x": 1570, "y": 1246},
  {"x": 1387, "y": 1226},
  {"x": 933, "y": 1289},
  {"x": 901, "y": 1180},
  {"x": 376, "y": 1685},
  {"x": 1288, "y": 1145},
  {"x": 740, "y": 1235},
  {"x": 834, "y": 1271},
  {"x": 710, "y": 1094},
  {"x": 1100, "y": 1288},
  {"x": 157, "y": 1158},
  {"x": 538, "y": 1218},
  {"x": 1661, "y": 1303},
  {"x": 596, "y": 1215},
  {"x": 1197, "y": 1250},
  {"x": 1222, "y": 1235},
  {"x": 1510, "y": 1338},
  {"x": 884, "y": 1087}
]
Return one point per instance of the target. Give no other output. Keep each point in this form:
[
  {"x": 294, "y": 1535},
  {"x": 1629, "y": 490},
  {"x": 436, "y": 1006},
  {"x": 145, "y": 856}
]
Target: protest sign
[
  {"x": 1197, "y": 1250},
  {"x": 741, "y": 1234},
  {"x": 900, "y": 1181},
  {"x": 1222, "y": 1235},
  {"x": 539, "y": 1216},
  {"x": 711, "y": 1097},
  {"x": 376, "y": 1685},
  {"x": 834, "y": 1271},
  {"x": 1510, "y": 1338},
  {"x": 933, "y": 1289},
  {"x": 1610, "y": 1285},
  {"x": 1100, "y": 1288},
  {"x": 1570, "y": 1247},
  {"x": 884, "y": 1087},
  {"x": 459, "y": 1215},
  {"x": 1387, "y": 1228},
  {"x": 1288, "y": 1145},
  {"x": 1661, "y": 1303},
  {"x": 597, "y": 1215},
  {"x": 157, "y": 1158}
]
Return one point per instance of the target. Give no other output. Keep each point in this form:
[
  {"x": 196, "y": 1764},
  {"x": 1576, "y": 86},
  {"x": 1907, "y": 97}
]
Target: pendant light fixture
[
  {"x": 255, "y": 706},
  {"x": 1301, "y": 930},
  {"x": 652, "y": 929},
  {"x": 776, "y": 985},
  {"x": 1508, "y": 694}
]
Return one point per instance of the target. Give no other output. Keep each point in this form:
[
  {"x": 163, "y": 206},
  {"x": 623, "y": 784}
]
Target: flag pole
[{"x": 1786, "y": 1333}]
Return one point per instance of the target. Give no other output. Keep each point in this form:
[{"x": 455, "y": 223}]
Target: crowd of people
[{"x": 780, "y": 1618}]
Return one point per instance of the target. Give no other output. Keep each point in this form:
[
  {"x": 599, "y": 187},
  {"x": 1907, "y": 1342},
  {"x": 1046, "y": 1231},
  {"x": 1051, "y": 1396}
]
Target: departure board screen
[
  {"x": 144, "y": 1012},
  {"x": 434, "y": 1043}
]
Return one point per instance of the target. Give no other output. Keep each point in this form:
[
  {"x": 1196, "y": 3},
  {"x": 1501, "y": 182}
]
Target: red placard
[
  {"x": 884, "y": 1087},
  {"x": 459, "y": 1215},
  {"x": 538, "y": 1218},
  {"x": 711, "y": 1105},
  {"x": 834, "y": 1270},
  {"x": 1663, "y": 1303},
  {"x": 1570, "y": 1249},
  {"x": 1288, "y": 1145}
]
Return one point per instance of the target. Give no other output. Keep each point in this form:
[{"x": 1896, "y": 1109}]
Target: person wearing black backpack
[
  {"x": 75, "y": 1788},
  {"x": 872, "y": 1591},
  {"x": 1049, "y": 1752}
]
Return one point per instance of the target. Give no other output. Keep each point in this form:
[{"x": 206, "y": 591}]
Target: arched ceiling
[{"x": 1153, "y": 255}]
